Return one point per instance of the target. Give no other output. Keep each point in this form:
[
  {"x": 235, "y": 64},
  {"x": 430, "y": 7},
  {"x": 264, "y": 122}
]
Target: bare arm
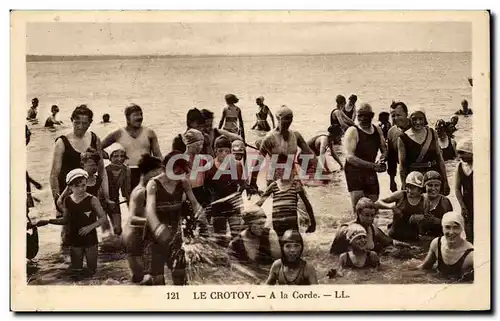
[
  {"x": 126, "y": 188},
  {"x": 232, "y": 136},
  {"x": 342, "y": 263},
  {"x": 103, "y": 173},
  {"x": 242, "y": 126},
  {"x": 223, "y": 118},
  {"x": 311, "y": 274},
  {"x": 197, "y": 209},
  {"x": 301, "y": 142},
  {"x": 440, "y": 160},
  {"x": 272, "y": 117},
  {"x": 62, "y": 198},
  {"x": 151, "y": 216},
  {"x": 402, "y": 157},
  {"x": 155, "y": 146},
  {"x": 458, "y": 188},
  {"x": 136, "y": 207},
  {"x": 430, "y": 259},
  {"x": 309, "y": 209},
  {"x": 335, "y": 156},
  {"x": 111, "y": 139},
  {"x": 56, "y": 168},
  {"x": 273, "y": 273},
  {"x": 62, "y": 220},
  {"x": 96, "y": 205},
  {"x": 267, "y": 193},
  {"x": 394, "y": 197},
  {"x": 383, "y": 144},
  {"x": 351, "y": 141}
]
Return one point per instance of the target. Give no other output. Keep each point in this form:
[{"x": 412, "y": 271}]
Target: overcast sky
[{"x": 245, "y": 38}]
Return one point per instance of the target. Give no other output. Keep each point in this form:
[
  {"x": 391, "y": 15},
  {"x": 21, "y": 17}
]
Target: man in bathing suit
[
  {"x": 399, "y": 115},
  {"x": 136, "y": 140},
  {"x": 281, "y": 141}
]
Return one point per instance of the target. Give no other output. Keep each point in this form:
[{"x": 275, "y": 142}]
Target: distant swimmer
[
  {"x": 350, "y": 108},
  {"x": 451, "y": 126},
  {"x": 32, "y": 111},
  {"x": 105, "y": 119},
  {"x": 320, "y": 143},
  {"x": 261, "y": 122},
  {"x": 136, "y": 140},
  {"x": 231, "y": 120},
  {"x": 51, "y": 120},
  {"x": 339, "y": 117},
  {"x": 465, "y": 111},
  {"x": 212, "y": 133}
]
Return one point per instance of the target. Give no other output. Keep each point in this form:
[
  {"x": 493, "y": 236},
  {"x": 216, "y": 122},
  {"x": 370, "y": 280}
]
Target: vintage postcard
[{"x": 250, "y": 161}]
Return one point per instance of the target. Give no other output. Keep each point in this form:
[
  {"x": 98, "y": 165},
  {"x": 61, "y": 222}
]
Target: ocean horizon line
[{"x": 39, "y": 58}]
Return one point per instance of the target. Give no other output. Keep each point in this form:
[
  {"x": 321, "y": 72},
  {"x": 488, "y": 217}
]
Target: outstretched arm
[
  {"x": 334, "y": 155},
  {"x": 309, "y": 209},
  {"x": 155, "y": 146},
  {"x": 273, "y": 274},
  {"x": 430, "y": 259},
  {"x": 242, "y": 126},
  {"x": 110, "y": 139},
  {"x": 402, "y": 157},
  {"x": 223, "y": 118}
]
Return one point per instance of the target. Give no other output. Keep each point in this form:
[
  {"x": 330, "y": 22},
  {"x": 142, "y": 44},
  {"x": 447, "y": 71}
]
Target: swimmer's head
[
  {"x": 260, "y": 100},
  {"x": 194, "y": 119},
  {"x": 222, "y": 147},
  {"x": 334, "y": 131},
  {"x": 465, "y": 104},
  {"x": 105, "y": 118},
  {"x": 356, "y": 235},
  {"x": 414, "y": 184},
  {"x": 90, "y": 161},
  {"x": 340, "y": 101},
  {"x": 353, "y": 99},
  {"x": 81, "y": 118},
  {"x": 453, "y": 227},
  {"x": 179, "y": 166},
  {"x": 292, "y": 246},
  {"x": 54, "y": 109},
  {"x": 383, "y": 117},
  {"x": 193, "y": 139},
  {"x": 118, "y": 156},
  {"x": 254, "y": 218},
  {"x": 418, "y": 118},
  {"x": 465, "y": 150},
  {"x": 284, "y": 116},
  {"x": 365, "y": 211},
  {"x": 34, "y": 102},
  {"x": 238, "y": 149},
  {"x": 208, "y": 120},
  {"x": 231, "y": 99},
  {"x": 399, "y": 113},
  {"x": 432, "y": 183},
  {"x": 76, "y": 179},
  {"x": 365, "y": 114},
  {"x": 149, "y": 167},
  {"x": 440, "y": 127},
  {"x": 454, "y": 119},
  {"x": 134, "y": 115}
]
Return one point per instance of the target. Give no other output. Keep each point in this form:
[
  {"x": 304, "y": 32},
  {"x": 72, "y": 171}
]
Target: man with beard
[
  {"x": 363, "y": 142},
  {"x": 136, "y": 140},
  {"x": 401, "y": 123}
]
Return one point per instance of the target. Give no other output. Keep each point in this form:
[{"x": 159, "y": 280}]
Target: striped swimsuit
[{"x": 284, "y": 206}]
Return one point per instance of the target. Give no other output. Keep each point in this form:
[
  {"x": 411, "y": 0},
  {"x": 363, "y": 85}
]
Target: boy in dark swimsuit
[{"x": 291, "y": 269}]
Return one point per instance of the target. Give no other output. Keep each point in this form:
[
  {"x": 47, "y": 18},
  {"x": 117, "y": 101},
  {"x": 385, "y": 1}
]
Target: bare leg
[
  {"x": 355, "y": 197},
  {"x": 91, "y": 258},
  {"x": 136, "y": 265}
]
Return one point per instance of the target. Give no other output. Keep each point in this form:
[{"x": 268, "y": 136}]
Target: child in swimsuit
[
  {"x": 291, "y": 269},
  {"x": 83, "y": 213},
  {"x": 231, "y": 119},
  {"x": 384, "y": 123},
  {"x": 118, "y": 179},
  {"x": 285, "y": 192},
  {"x": 358, "y": 257},
  {"x": 408, "y": 204},
  {"x": 464, "y": 185},
  {"x": 261, "y": 122},
  {"x": 51, "y": 120},
  {"x": 133, "y": 233},
  {"x": 452, "y": 251}
]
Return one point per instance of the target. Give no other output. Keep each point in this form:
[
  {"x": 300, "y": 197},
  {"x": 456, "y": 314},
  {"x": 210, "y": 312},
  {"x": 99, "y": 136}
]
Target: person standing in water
[
  {"x": 419, "y": 150},
  {"x": 340, "y": 116},
  {"x": 32, "y": 111},
  {"x": 465, "y": 111},
  {"x": 194, "y": 120},
  {"x": 67, "y": 156},
  {"x": 51, "y": 120},
  {"x": 399, "y": 115},
  {"x": 446, "y": 143},
  {"x": 211, "y": 133},
  {"x": 350, "y": 108},
  {"x": 358, "y": 257},
  {"x": 292, "y": 269},
  {"x": 261, "y": 123},
  {"x": 135, "y": 139},
  {"x": 464, "y": 185},
  {"x": 363, "y": 143},
  {"x": 231, "y": 119},
  {"x": 282, "y": 141},
  {"x": 133, "y": 232},
  {"x": 452, "y": 252},
  {"x": 320, "y": 143}
]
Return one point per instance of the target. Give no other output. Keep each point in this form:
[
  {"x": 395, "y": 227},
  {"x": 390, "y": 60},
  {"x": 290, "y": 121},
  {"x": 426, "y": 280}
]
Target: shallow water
[{"x": 167, "y": 88}]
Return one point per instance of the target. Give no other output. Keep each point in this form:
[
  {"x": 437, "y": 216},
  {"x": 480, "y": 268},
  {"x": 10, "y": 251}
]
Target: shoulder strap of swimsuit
[
  {"x": 93, "y": 140},
  {"x": 65, "y": 140},
  {"x": 439, "y": 256}
]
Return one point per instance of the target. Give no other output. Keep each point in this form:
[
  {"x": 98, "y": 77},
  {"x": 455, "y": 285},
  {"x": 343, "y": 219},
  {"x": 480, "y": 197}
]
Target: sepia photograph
[{"x": 273, "y": 159}]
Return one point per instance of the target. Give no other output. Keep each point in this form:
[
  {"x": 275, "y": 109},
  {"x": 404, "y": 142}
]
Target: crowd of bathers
[{"x": 165, "y": 211}]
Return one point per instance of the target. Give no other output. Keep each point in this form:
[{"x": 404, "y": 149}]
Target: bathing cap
[
  {"x": 415, "y": 179},
  {"x": 75, "y": 173},
  {"x": 355, "y": 230},
  {"x": 238, "y": 147},
  {"x": 292, "y": 236},
  {"x": 432, "y": 176},
  {"x": 284, "y": 111},
  {"x": 364, "y": 202},
  {"x": 365, "y": 109},
  {"x": 261, "y": 98},
  {"x": 116, "y": 147},
  {"x": 231, "y": 98},
  {"x": 454, "y": 217},
  {"x": 465, "y": 145},
  {"x": 418, "y": 110},
  {"x": 253, "y": 213},
  {"x": 192, "y": 136},
  {"x": 222, "y": 142},
  {"x": 440, "y": 124}
]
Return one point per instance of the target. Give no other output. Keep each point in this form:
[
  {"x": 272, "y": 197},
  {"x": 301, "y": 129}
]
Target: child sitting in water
[
  {"x": 408, "y": 204},
  {"x": 291, "y": 269},
  {"x": 358, "y": 256},
  {"x": 83, "y": 213},
  {"x": 464, "y": 185},
  {"x": 133, "y": 233},
  {"x": 384, "y": 123},
  {"x": 285, "y": 192},
  {"x": 452, "y": 252},
  {"x": 118, "y": 179},
  {"x": 51, "y": 120}
]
